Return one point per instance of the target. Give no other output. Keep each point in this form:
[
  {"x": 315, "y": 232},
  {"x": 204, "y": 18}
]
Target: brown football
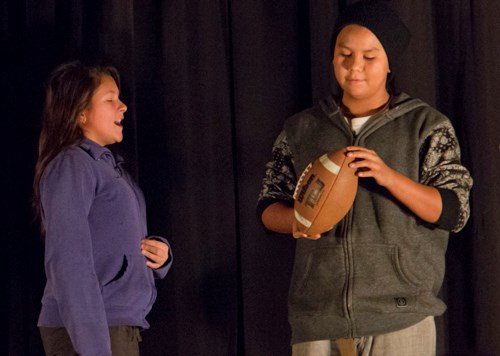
[{"x": 325, "y": 192}]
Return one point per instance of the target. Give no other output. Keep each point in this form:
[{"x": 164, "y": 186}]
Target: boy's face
[{"x": 360, "y": 65}]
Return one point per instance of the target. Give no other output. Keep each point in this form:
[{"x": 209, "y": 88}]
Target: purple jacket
[{"x": 95, "y": 219}]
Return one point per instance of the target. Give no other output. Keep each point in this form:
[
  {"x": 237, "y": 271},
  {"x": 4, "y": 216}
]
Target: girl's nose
[{"x": 123, "y": 107}]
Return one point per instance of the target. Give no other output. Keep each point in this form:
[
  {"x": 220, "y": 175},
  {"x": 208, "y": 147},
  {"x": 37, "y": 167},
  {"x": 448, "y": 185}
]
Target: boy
[{"x": 371, "y": 283}]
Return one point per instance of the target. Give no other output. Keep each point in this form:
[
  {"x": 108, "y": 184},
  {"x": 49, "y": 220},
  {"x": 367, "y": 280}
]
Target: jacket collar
[{"x": 95, "y": 150}]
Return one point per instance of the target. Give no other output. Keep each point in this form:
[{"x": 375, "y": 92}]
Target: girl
[{"x": 100, "y": 264}]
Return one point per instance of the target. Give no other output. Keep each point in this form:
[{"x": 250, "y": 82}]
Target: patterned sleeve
[
  {"x": 280, "y": 179},
  {"x": 442, "y": 169}
]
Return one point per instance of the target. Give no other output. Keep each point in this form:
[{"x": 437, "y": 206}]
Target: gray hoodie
[{"x": 380, "y": 269}]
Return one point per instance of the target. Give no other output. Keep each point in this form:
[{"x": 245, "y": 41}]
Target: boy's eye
[{"x": 369, "y": 58}]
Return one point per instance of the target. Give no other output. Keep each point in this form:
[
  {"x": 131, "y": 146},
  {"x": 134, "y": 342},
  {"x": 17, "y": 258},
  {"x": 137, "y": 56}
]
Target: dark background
[{"x": 208, "y": 85}]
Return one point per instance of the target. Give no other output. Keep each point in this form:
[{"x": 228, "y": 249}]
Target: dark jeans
[{"x": 124, "y": 341}]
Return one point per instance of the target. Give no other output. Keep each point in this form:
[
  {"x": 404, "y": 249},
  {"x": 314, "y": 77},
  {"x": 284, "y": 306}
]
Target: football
[{"x": 324, "y": 193}]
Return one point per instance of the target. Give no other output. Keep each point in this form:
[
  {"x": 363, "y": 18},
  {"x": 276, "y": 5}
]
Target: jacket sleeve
[
  {"x": 443, "y": 170},
  {"x": 67, "y": 192}
]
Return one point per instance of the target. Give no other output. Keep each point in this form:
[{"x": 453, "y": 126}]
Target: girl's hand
[{"x": 155, "y": 251}]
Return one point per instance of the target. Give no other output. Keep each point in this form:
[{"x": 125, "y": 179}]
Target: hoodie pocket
[
  {"x": 317, "y": 281},
  {"x": 380, "y": 283}
]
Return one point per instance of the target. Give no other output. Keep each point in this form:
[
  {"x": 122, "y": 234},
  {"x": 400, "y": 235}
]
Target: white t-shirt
[{"x": 357, "y": 122}]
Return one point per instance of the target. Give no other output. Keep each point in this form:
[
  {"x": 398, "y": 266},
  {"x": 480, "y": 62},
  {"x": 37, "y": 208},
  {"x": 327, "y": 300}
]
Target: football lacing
[{"x": 301, "y": 178}]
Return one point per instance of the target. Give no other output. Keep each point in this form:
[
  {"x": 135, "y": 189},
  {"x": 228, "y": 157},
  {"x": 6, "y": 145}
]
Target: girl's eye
[{"x": 369, "y": 58}]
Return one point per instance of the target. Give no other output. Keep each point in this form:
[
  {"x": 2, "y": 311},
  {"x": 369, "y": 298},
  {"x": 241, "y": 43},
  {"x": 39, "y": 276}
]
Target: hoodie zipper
[{"x": 349, "y": 260}]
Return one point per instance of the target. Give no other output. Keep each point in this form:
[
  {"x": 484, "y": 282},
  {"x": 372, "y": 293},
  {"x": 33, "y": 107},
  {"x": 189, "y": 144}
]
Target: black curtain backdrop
[{"x": 208, "y": 85}]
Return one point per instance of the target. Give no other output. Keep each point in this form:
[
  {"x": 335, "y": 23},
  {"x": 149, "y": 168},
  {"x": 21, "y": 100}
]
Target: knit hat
[{"x": 380, "y": 19}]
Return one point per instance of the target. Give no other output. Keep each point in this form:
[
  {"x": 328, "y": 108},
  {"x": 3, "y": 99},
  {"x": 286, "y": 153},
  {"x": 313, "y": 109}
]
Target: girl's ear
[{"x": 83, "y": 118}]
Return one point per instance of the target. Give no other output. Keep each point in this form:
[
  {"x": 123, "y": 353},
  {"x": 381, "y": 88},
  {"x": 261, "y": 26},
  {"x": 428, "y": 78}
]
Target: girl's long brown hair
[{"x": 68, "y": 93}]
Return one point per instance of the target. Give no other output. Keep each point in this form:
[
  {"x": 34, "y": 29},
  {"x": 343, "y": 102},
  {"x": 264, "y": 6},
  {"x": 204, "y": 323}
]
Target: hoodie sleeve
[
  {"x": 279, "y": 180},
  {"x": 443, "y": 170}
]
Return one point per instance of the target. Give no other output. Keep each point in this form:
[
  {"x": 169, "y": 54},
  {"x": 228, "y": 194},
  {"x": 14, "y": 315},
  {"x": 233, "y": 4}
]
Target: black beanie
[{"x": 380, "y": 19}]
